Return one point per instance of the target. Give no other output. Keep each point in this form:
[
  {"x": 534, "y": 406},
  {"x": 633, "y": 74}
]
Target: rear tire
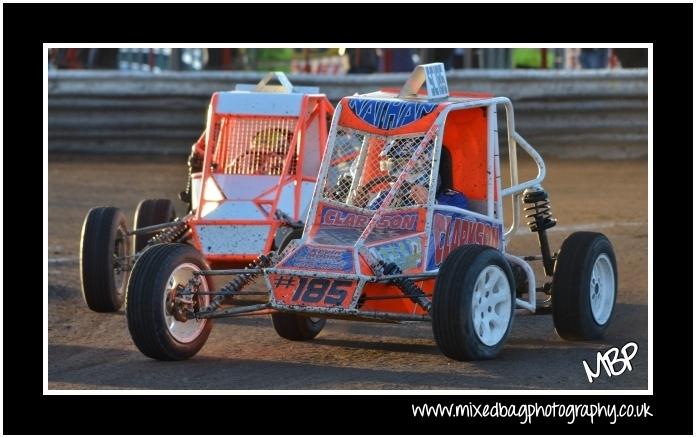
[
  {"x": 289, "y": 325},
  {"x": 154, "y": 330},
  {"x": 473, "y": 303},
  {"x": 288, "y": 236},
  {"x": 585, "y": 282},
  {"x": 103, "y": 267},
  {"x": 297, "y": 327},
  {"x": 151, "y": 212},
  {"x": 280, "y": 235}
]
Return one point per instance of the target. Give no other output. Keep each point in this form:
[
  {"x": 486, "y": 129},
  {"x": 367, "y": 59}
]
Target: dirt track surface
[{"x": 88, "y": 350}]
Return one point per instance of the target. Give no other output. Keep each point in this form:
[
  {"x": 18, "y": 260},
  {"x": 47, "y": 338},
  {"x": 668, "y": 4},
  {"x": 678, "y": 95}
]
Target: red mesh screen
[{"x": 254, "y": 145}]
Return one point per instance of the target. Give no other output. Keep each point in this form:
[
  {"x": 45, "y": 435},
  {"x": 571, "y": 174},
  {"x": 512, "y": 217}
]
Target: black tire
[
  {"x": 289, "y": 236},
  {"x": 151, "y": 212},
  {"x": 573, "y": 286},
  {"x": 103, "y": 241},
  {"x": 289, "y": 325},
  {"x": 280, "y": 235},
  {"x": 146, "y": 315},
  {"x": 297, "y": 327},
  {"x": 452, "y": 312}
]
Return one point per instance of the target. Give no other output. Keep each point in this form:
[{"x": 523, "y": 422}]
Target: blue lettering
[{"x": 385, "y": 114}]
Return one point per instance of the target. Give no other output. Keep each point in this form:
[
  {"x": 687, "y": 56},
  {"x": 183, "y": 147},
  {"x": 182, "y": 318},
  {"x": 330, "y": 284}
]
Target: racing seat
[
  {"x": 445, "y": 193},
  {"x": 445, "y": 172}
]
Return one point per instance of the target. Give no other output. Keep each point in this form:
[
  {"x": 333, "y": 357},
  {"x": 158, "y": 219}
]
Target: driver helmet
[
  {"x": 271, "y": 140},
  {"x": 269, "y": 147},
  {"x": 396, "y": 154}
]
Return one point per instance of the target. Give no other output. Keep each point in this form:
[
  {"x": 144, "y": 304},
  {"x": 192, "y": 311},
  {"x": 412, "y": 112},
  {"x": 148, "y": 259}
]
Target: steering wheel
[
  {"x": 272, "y": 163},
  {"x": 265, "y": 162},
  {"x": 268, "y": 150},
  {"x": 362, "y": 193}
]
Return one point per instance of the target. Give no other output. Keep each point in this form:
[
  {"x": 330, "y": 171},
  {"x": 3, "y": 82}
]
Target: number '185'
[{"x": 318, "y": 289}]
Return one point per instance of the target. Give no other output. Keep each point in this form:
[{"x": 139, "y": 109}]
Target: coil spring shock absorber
[
  {"x": 540, "y": 211},
  {"x": 406, "y": 285},
  {"x": 170, "y": 234},
  {"x": 262, "y": 261}
]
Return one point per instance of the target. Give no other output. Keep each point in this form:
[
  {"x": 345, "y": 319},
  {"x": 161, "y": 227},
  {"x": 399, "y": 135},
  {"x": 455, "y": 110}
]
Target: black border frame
[{"x": 666, "y": 26}]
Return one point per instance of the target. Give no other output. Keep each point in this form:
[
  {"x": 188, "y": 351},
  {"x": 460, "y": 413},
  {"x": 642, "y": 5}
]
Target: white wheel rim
[
  {"x": 491, "y": 305},
  {"x": 602, "y": 289},
  {"x": 188, "y": 331}
]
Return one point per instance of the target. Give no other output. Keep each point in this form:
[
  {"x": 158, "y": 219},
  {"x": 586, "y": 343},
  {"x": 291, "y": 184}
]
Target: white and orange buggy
[
  {"x": 406, "y": 224},
  {"x": 257, "y": 165}
]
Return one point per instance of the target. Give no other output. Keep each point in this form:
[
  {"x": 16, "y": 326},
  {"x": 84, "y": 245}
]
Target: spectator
[
  {"x": 274, "y": 59},
  {"x": 362, "y": 60},
  {"x": 532, "y": 58},
  {"x": 397, "y": 60},
  {"x": 594, "y": 58}
]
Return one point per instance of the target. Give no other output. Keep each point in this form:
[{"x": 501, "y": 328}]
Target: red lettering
[
  {"x": 395, "y": 222},
  {"x": 449, "y": 242},
  {"x": 495, "y": 237},
  {"x": 361, "y": 221},
  {"x": 463, "y": 234},
  {"x": 470, "y": 230},
  {"x": 478, "y": 234},
  {"x": 440, "y": 225},
  {"x": 457, "y": 226},
  {"x": 409, "y": 222},
  {"x": 340, "y": 219},
  {"x": 330, "y": 216},
  {"x": 450, "y": 233},
  {"x": 486, "y": 234}
]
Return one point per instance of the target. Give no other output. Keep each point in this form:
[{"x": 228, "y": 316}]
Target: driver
[
  {"x": 266, "y": 154},
  {"x": 392, "y": 160},
  {"x": 413, "y": 191}
]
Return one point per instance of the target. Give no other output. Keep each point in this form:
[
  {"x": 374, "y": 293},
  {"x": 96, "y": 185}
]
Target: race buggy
[
  {"x": 405, "y": 224},
  {"x": 251, "y": 178}
]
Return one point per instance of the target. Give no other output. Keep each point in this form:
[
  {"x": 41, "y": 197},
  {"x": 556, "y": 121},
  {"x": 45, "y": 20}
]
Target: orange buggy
[
  {"x": 406, "y": 224},
  {"x": 260, "y": 155}
]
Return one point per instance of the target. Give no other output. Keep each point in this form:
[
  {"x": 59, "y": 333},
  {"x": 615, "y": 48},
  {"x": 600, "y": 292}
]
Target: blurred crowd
[{"x": 338, "y": 61}]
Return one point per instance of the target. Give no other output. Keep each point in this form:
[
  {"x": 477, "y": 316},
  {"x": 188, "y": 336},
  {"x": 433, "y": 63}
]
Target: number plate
[
  {"x": 312, "y": 292},
  {"x": 436, "y": 80}
]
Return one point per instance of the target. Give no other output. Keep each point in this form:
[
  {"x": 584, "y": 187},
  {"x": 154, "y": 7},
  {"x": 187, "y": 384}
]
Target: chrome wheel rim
[{"x": 188, "y": 331}]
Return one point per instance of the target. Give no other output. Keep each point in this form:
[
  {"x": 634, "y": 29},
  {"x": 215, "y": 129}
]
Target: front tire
[
  {"x": 152, "y": 326},
  {"x": 104, "y": 248},
  {"x": 290, "y": 325},
  {"x": 584, "y": 286},
  {"x": 473, "y": 303}
]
